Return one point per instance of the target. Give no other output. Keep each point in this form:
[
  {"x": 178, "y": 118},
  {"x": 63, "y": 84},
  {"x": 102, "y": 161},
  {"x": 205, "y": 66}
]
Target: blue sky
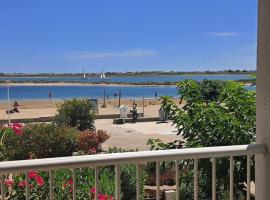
[{"x": 127, "y": 35}]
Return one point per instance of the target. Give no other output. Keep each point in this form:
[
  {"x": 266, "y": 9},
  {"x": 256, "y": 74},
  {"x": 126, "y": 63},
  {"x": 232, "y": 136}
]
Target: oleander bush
[
  {"x": 63, "y": 185},
  {"x": 85, "y": 184},
  {"x": 50, "y": 140},
  {"x": 77, "y": 113},
  {"x": 38, "y": 141},
  {"x": 89, "y": 142}
]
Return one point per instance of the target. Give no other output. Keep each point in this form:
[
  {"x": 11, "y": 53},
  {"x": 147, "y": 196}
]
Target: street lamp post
[{"x": 8, "y": 101}]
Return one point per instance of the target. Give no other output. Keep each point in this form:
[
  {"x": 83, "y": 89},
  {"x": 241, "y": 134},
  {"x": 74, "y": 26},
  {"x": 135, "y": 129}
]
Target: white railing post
[
  {"x": 177, "y": 193},
  {"x": 2, "y": 186},
  {"x": 138, "y": 182},
  {"x": 51, "y": 182},
  {"x": 248, "y": 177},
  {"x": 96, "y": 182},
  {"x": 196, "y": 182},
  {"x": 158, "y": 180},
  {"x": 231, "y": 177},
  {"x": 117, "y": 182},
  {"x": 27, "y": 188},
  {"x": 214, "y": 179},
  {"x": 263, "y": 100},
  {"x": 74, "y": 189}
]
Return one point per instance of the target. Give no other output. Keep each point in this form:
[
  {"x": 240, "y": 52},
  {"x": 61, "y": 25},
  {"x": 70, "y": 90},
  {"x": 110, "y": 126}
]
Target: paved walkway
[{"x": 135, "y": 136}]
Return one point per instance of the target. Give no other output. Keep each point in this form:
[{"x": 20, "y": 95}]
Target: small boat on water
[
  {"x": 84, "y": 75},
  {"x": 102, "y": 75}
]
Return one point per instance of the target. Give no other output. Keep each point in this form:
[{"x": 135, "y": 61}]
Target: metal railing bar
[
  {"x": 157, "y": 180},
  {"x": 231, "y": 177},
  {"x": 74, "y": 189},
  {"x": 177, "y": 179},
  {"x": 196, "y": 179},
  {"x": 2, "y": 187},
  {"x": 138, "y": 189},
  {"x": 248, "y": 177},
  {"x": 214, "y": 179},
  {"x": 117, "y": 182},
  {"x": 51, "y": 182},
  {"x": 118, "y": 158},
  {"x": 96, "y": 182},
  {"x": 27, "y": 188}
]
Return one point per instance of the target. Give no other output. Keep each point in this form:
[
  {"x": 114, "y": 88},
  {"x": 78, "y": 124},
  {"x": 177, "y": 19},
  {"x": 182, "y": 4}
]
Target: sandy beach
[{"x": 48, "y": 108}]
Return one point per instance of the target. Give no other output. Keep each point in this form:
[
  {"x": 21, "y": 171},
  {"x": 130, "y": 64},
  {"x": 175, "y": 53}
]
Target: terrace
[{"x": 259, "y": 149}]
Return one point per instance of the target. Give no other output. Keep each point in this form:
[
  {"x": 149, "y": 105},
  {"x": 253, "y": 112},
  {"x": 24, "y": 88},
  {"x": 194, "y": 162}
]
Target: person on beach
[
  {"x": 134, "y": 112},
  {"x": 50, "y": 95},
  {"x": 155, "y": 95}
]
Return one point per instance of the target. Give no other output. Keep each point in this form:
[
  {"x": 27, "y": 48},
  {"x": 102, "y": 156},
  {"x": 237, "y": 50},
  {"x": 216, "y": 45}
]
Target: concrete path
[{"x": 135, "y": 136}]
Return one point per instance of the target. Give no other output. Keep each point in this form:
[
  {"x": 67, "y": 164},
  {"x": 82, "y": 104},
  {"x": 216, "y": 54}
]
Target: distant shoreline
[
  {"x": 154, "y": 84},
  {"x": 129, "y": 74},
  {"x": 90, "y": 84}
]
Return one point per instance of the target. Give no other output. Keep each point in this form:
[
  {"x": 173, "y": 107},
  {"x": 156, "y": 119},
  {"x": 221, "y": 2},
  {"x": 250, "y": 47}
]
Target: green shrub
[
  {"x": 76, "y": 113},
  {"x": 39, "y": 141},
  {"x": 216, "y": 114}
]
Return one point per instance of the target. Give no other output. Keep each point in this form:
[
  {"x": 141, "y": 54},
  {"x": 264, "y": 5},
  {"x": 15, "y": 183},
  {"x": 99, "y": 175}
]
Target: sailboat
[
  {"x": 102, "y": 75},
  {"x": 84, "y": 75}
]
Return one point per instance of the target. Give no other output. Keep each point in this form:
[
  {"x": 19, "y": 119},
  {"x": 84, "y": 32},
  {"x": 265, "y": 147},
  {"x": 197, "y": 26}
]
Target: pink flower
[
  {"x": 102, "y": 197},
  {"x": 105, "y": 197},
  {"x": 92, "y": 150},
  {"x": 9, "y": 183},
  {"x": 39, "y": 180},
  {"x": 93, "y": 190},
  {"x": 22, "y": 183},
  {"x": 70, "y": 181},
  {"x": 17, "y": 128},
  {"x": 68, "y": 184},
  {"x": 32, "y": 174}
]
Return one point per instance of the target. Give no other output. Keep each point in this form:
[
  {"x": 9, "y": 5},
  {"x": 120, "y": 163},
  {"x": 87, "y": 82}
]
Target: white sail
[
  {"x": 84, "y": 75},
  {"x": 102, "y": 74}
]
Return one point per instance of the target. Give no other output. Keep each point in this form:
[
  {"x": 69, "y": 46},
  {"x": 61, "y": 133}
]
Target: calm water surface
[{"x": 66, "y": 92}]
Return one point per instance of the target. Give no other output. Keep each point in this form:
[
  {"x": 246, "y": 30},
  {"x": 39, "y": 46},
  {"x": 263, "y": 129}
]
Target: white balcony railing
[{"x": 51, "y": 164}]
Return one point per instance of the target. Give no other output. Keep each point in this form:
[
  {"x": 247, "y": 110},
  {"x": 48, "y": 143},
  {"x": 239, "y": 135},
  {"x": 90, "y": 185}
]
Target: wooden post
[{"x": 104, "y": 101}]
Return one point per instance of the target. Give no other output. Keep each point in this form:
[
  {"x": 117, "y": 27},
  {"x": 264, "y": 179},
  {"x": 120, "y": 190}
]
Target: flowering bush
[
  {"x": 63, "y": 185},
  {"x": 15, "y": 185},
  {"x": 10, "y": 130},
  {"x": 26, "y": 142},
  {"x": 90, "y": 142}
]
